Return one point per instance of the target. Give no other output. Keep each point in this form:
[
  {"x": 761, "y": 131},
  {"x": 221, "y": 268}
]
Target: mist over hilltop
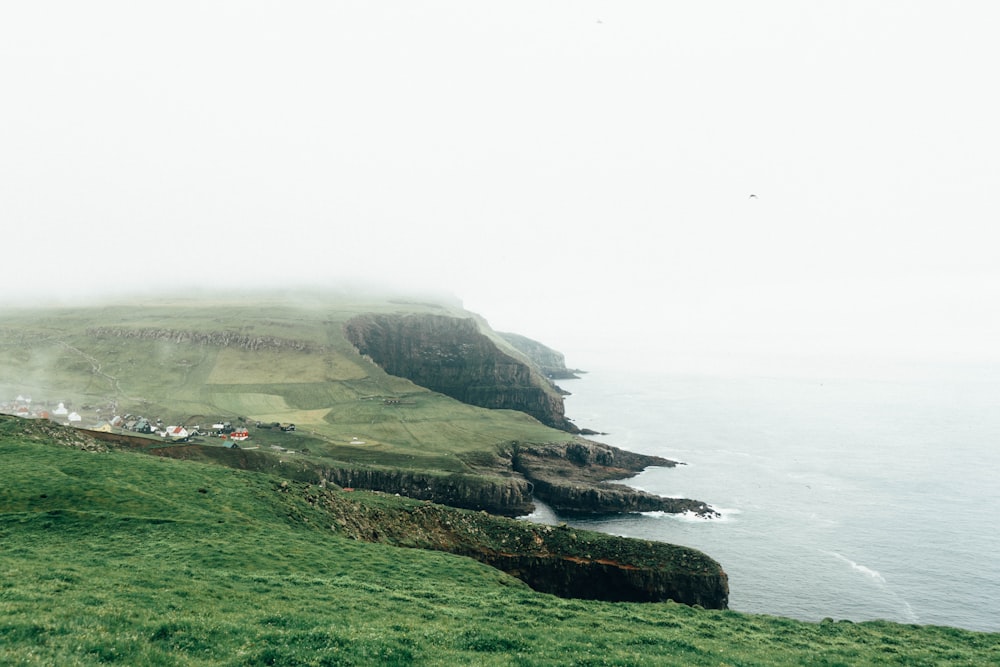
[{"x": 686, "y": 187}]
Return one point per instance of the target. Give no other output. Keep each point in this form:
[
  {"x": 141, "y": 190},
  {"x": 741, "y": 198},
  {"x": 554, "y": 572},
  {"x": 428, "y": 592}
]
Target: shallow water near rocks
[{"x": 844, "y": 498}]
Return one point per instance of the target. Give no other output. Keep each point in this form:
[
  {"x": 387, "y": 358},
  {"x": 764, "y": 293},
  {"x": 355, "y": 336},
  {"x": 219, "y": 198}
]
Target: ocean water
[{"x": 853, "y": 499}]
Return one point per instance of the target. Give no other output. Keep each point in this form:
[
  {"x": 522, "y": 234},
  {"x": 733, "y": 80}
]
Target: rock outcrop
[
  {"x": 504, "y": 496},
  {"x": 218, "y": 338},
  {"x": 572, "y": 479},
  {"x": 560, "y": 560},
  {"x": 570, "y": 499},
  {"x": 454, "y": 357},
  {"x": 42, "y": 430},
  {"x": 569, "y": 477}
]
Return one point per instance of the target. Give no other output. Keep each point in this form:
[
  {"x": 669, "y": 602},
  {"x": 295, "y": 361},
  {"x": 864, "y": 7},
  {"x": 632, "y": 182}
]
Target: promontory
[{"x": 337, "y": 391}]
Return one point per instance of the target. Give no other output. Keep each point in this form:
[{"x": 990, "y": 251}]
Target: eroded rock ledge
[
  {"x": 572, "y": 479},
  {"x": 218, "y": 338},
  {"x": 558, "y": 560},
  {"x": 569, "y": 477},
  {"x": 504, "y": 496}
]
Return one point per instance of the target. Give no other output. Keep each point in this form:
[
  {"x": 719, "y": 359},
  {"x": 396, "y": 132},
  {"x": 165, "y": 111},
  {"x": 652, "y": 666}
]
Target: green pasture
[
  {"x": 333, "y": 395},
  {"x": 134, "y": 560}
]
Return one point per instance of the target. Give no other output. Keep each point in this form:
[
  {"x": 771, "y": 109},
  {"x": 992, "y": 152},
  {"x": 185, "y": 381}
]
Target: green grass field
[
  {"x": 334, "y": 395},
  {"x": 117, "y": 557}
]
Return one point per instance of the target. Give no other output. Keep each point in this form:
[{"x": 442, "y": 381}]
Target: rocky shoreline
[
  {"x": 468, "y": 512},
  {"x": 552, "y": 559},
  {"x": 458, "y": 358},
  {"x": 568, "y": 477},
  {"x": 572, "y": 478},
  {"x": 559, "y": 560}
]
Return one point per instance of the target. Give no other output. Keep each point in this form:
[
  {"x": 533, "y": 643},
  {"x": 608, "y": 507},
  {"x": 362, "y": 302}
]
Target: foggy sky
[{"x": 579, "y": 172}]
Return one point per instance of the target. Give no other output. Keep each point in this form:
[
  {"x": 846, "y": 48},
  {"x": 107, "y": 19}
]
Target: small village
[{"x": 105, "y": 419}]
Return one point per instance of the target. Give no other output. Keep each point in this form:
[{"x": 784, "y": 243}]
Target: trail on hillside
[{"x": 95, "y": 366}]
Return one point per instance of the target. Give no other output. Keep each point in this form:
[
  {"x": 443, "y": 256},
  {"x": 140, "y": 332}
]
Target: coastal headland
[
  {"x": 418, "y": 400},
  {"x": 111, "y": 555},
  {"x": 231, "y": 481}
]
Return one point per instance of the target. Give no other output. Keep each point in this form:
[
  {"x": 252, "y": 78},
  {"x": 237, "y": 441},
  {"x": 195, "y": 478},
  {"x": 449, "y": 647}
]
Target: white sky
[{"x": 575, "y": 171}]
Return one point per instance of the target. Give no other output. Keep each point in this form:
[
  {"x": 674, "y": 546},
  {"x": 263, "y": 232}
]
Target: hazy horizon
[{"x": 714, "y": 188}]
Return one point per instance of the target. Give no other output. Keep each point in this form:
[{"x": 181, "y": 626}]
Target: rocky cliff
[
  {"x": 504, "y": 496},
  {"x": 551, "y": 362},
  {"x": 454, "y": 357},
  {"x": 558, "y": 560},
  {"x": 572, "y": 478}
]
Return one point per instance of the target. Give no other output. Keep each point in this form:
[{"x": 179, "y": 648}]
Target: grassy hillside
[
  {"x": 114, "y": 557},
  {"x": 287, "y": 361}
]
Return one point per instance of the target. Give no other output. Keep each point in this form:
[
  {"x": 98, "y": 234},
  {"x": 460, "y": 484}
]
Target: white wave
[
  {"x": 907, "y": 610},
  {"x": 687, "y": 517},
  {"x": 724, "y": 515},
  {"x": 867, "y": 571},
  {"x": 908, "y": 613}
]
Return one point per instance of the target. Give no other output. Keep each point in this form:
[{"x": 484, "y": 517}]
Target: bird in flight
[{"x": 753, "y": 196}]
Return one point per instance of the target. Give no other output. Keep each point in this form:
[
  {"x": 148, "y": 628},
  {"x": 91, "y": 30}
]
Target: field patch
[
  {"x": 268, "y": 408},
  {"x": 238, "y": 366}
]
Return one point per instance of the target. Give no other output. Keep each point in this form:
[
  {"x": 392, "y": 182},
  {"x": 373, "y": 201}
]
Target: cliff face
[
  {"x": 504, "y": 497},
  {"x": 569, "y": 477},
  {"x": 551, "y": 362},
  {"x": 572, "y": 479},
  {"x": 569, "y": 499},
  {"x": 602, "y": 579},
  {"x": 453, "y": 357},
  {"x": 497, "y": 495},
  {"x": 558, "y": 560}
]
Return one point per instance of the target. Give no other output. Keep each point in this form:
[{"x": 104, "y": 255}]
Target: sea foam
[
  {"x": 867, "y": 571},
  {"x": 724, "y": 515}
]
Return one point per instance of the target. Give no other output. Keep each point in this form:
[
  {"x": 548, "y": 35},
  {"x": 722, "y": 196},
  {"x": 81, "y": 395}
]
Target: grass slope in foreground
[{"x": 115, "y": 557}]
